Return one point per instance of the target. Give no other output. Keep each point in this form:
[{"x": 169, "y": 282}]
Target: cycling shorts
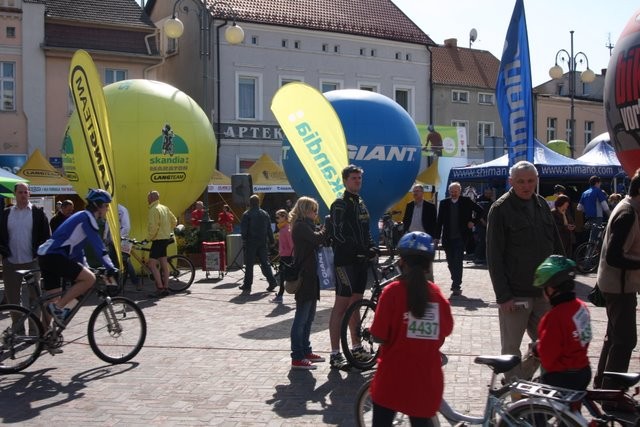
[
  {"x": 55, "y": 267},
  {"x": 351, "y": 279},
  {"x": 159, "y": 248}
]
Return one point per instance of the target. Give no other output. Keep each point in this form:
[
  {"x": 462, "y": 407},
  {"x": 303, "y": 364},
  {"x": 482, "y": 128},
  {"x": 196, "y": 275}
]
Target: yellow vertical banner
[
  {"x": 315, "y": 132},
  {"x": 86, "y": 88}
]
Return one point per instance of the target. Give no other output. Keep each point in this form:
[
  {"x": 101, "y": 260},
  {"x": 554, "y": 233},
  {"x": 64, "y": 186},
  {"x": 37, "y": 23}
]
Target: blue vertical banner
[{"x": 513, "y": 89}]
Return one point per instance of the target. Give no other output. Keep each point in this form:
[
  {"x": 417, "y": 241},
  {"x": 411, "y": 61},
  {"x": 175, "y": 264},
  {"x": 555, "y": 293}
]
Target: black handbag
[{"x": 596, "y": 298}]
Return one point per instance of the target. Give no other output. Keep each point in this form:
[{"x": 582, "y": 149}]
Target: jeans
[
  {"x": 621, "y": 336},
  {"x": 301, "y": 328},
  {"x": 454, "y": 249},
  {"x": 250, "y": 253}
]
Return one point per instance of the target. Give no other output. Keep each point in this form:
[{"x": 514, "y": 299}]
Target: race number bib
[{"x": 426, "y": 327}]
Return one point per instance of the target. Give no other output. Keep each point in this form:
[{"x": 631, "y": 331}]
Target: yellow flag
[
  {"x": 91, "y": 108},
  {"x": 315, "y": 132}
]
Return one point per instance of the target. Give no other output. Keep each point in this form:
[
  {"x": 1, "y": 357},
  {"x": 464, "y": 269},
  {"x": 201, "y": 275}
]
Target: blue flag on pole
[{"x": 513, "y": 89}]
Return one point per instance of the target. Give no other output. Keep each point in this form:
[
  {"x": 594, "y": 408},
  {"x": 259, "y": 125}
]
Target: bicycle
[
  {"x": 181, "y": 269},
  {"x": 605, "y": 407},
  {"x": 587, "y": 254},
  {"x": 116, "y": 329},
  {"x": 365, "y": 309},
  {"x": 391, "y": 232},
  {"x": 546, "y": 405}
]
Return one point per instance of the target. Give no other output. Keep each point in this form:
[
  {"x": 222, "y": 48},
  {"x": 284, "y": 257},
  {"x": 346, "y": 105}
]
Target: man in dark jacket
[
  {"x": 419, "y": 215},
  {"x": 23, "y": 228},
  {"x": 255, "y": 228},
  {"x": 455, "y": 224}
]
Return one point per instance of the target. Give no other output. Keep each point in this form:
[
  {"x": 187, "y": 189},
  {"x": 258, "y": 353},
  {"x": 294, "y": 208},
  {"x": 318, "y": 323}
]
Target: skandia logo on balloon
[{"x": 168, "y": 157}]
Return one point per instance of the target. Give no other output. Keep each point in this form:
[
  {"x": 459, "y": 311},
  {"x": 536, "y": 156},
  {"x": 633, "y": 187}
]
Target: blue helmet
[
  {"x": 416, "y": 243},
  {"x": 98, "y": 196}
]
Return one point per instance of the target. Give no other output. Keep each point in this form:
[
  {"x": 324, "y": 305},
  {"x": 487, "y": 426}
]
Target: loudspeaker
[{"x": 241, "y": 188}]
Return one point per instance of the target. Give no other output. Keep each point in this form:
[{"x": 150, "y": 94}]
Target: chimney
[
  {"x": 451, "y": 43},
  {"x": 603, "y": 71}
]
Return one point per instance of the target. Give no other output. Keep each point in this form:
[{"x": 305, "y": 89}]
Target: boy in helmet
[
  {"x": 564, "y": 332},
  {"x": 62, "y": 256}
]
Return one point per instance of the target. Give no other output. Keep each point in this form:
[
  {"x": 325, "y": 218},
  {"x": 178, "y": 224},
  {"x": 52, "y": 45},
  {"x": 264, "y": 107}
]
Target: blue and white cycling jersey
[{"x": 70, "y": 238}]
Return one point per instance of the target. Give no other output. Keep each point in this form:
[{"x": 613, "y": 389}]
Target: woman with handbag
[{"x": 306, "y": 241}]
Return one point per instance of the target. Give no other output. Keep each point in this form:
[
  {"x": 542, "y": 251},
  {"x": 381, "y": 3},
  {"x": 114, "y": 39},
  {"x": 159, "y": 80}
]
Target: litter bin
[{"x": 235, "y": 254}]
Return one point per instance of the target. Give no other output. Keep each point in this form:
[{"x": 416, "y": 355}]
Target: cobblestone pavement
[{"x": 213, "y": 357}]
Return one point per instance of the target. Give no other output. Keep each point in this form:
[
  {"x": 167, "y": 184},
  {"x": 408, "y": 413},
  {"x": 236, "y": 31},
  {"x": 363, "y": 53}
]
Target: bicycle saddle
[
  {"x": 499, "y": 364},
  {"x": 625, "y": 379}
]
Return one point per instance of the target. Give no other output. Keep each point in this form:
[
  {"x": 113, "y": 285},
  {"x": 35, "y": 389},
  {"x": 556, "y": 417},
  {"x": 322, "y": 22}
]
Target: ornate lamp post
[
  {"x": 233, "y": 34},
  {"x": 556, "y": 72}
]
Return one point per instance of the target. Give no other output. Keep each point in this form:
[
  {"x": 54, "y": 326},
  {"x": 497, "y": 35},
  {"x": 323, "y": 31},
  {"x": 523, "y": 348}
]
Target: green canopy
[{"x": 7, "y": 182}]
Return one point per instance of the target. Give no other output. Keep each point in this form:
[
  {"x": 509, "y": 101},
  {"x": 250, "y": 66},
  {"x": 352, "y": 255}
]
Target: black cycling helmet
[
  {"x": 97, "y": 196},
  {"x": 416, "y": 243},
  {"x": 555, "y": 271}
]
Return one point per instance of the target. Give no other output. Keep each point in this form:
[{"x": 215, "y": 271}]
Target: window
[
  {"x": 404, "y": 97},
  {"x": 552, "y": 124},
  {"x": 297, "y": 44},
  {"x": 460, "y": 123},
  {"x": 398, "y": 55},
  {"x": 485, "y": 129},
  {"x": 485, "y": 98},
  {"x": 371, "y": 87},
  {"x": 407, "y": 57},
  {"x": 336, "y": 48},
  {"x": 326, "y": 86},
  {"x": 586, "y": 88},
  {"x": 112, "y": 75},
  {"x": 288, "y": 79},
  {"x": 325, "y": 47},
  {"x": 569, "y": 130},
  {"x": 588, "y": 132},
  {"x": 7, "y": 86},
  {"x": 374, "y": 52},
  {"x": 285, "y": 43},
  {"x": 11, "y": 32},
  {"x": 254, "y": 40},
  {"x": 248, "y": 94},
  {"x": 363, "y": 51},
  {"x": 460, "y": 96}
]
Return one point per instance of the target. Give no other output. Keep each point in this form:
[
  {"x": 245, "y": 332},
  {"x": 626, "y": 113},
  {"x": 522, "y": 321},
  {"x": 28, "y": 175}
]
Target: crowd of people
[{"x": 525, "y": 240}]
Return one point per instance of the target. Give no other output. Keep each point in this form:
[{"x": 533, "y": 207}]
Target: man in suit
[
  {"x": 455, "y": 223},
  {"x": 419, "y": 215}
]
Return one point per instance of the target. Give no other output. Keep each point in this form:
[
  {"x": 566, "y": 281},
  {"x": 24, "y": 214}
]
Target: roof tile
[
  {"x": 459, "y": 66},
  {"x": 112, "y": 12}
]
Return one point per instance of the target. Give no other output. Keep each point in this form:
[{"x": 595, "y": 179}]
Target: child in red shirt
[
  {"x": 564, "y": 332},
  {"x": 412, "y": 320}
]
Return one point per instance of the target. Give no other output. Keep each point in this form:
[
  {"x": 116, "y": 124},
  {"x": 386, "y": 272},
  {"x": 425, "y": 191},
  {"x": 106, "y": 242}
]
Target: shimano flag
[{"x": 513, "y": 89}]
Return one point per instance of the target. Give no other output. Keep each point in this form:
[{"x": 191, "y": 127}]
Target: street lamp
[
  {"x": 233, "y": 34},
  {"x": 586, "y": 76}
]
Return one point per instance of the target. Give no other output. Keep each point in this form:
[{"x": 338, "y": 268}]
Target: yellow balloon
[{"x": 161, "y": 140}]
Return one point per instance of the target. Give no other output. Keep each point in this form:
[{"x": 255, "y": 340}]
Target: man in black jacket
[
  {"x": 255, "y": 228},
  {"x": 419, "y": 215},
  {"x": 23, "y": 228},
  {"x": 455, "y": 224}
]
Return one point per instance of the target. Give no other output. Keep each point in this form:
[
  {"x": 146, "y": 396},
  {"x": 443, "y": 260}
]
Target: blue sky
[{"x": 548, "y": 25}]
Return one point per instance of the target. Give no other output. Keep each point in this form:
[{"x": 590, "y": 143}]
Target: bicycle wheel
[
  {"x": 20, "y": 338},
  {"x": 364, "y": 410},
  {"x": 587, "y": 257},
  {"x": 181, "y": 273},
  {"x": 534, "y": 412},
  {"x": 117, "y": 331},
  {"x": 364, "y": 310}
]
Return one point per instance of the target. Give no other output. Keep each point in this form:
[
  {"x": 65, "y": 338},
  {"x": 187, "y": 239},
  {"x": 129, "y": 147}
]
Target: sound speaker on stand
[{"x": 241, "y": 188}]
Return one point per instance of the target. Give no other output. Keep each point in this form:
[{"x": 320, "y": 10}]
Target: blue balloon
[{"x": 381, "y": 138}]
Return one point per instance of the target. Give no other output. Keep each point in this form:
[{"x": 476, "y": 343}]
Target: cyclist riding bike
[
  {"x": 564, "y": 332},
  {"x": 62, "y": 256},
  {"x": 412, "y": 320}
]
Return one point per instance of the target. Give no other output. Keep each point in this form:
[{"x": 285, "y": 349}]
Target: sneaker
[
  {"x": 337, "y": 361},
  {"x": 456, "y": 292},
  {"x": 361, "y": 354},
  {"x": 53, "y": 350},
  {"x": 303, "y": 364},
  {"x": 314, "y": 358},
  {"x": 277, "y": 299},
  {"x": 59, "y": 314}
]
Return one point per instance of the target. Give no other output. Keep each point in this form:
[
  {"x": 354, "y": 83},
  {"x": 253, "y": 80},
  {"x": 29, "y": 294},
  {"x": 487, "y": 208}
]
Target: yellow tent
[
  {"x": 44, "y": 178},
  {"x": 219, "y": 183},
  {"x": 268, "y": 176}
]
